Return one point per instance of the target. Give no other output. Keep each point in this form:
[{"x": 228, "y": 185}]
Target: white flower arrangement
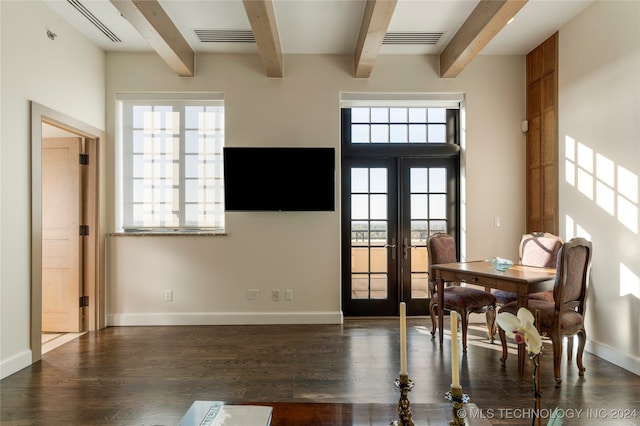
[{"x": 522, "y": 329}]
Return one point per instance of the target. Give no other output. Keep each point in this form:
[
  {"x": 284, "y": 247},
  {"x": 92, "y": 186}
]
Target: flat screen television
[{"x": 279, "y": 179}]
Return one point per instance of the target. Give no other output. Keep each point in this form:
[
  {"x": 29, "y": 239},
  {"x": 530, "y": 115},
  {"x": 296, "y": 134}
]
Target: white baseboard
[
  {"x": 623, "y": 360},
  {"x": 15, "y": 363},
  {"x": 614, "y": 356},
  {"x": 225, "y": 318}
]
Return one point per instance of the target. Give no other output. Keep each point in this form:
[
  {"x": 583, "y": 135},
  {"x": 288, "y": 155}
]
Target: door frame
[
  {"x": 452, "y": 151},
  {"x": 95, "y": 314}
]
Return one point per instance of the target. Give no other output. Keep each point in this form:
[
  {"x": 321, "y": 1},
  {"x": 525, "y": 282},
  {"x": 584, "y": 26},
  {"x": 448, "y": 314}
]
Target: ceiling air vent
[
  {"x": 412, "y": 38},
  {"x": 225, "y": 36},
  {"x": 95, "y": 21}
]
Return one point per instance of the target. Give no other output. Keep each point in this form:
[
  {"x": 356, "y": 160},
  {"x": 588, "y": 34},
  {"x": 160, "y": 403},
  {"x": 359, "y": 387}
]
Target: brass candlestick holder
[
  {"x": 458, "y": 399},
  {"x": 404, "y": 406}
]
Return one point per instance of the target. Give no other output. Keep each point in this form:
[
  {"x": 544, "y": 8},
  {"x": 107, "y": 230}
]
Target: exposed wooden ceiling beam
[
  {"x": 265, "y": 30},
  {"x": 375, "y": 21},
  {"x": 153, "y": 23},
  {"x": 486, "y": 20}
]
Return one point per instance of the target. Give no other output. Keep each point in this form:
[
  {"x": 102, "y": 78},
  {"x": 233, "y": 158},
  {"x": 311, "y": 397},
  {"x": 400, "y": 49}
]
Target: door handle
[
  {"x": 405, "y": 248},
  {"x": 392, "y": 246}
]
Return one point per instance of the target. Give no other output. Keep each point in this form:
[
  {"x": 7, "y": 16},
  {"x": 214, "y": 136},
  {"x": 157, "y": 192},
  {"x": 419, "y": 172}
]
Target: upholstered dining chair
[
  {"x": 441, "y": 248},
  {"x": 535, "y": 249},
  {"x": 564, "y": 315}
]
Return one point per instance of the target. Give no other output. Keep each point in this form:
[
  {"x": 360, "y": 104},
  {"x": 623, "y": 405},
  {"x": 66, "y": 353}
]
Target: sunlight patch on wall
[
  {"x": 613, "y": 188},
  {"x": 629, "y": 282},
  {"x": 585, "y": 183},
  {"x": 573, "y": 230},
  {"x": 628, "y": 184},
  {"x": 585, "y": 170},
  {"x": 581, "y": 232},
  {"x": 585, "y": 158},
  {"x": 568, "y": 227},
  {"x": 605, "y": 181},
  {"x": 628, "y": 214},
  {"x": 628, "y": 199},
  {"x": 570, "y": 160}
]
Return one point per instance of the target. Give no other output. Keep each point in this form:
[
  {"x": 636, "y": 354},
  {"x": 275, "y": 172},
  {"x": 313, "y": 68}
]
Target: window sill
[{"x": 177, "y": 233}]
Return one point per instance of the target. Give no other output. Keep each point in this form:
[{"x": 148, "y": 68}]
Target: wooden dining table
[{"x": 519, "y": 279}]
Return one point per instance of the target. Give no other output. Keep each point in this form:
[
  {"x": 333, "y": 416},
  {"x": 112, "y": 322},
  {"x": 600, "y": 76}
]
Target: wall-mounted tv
[{"x": 279, "y": 179}]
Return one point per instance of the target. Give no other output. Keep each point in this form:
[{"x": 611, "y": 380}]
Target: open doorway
[{"x": 67, "y": 227}]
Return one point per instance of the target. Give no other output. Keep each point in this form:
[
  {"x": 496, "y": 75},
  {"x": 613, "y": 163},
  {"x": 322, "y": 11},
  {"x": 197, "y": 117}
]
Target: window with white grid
[
  {"x": 170, "y": 168},
  {"x": 398, "y": 125}
]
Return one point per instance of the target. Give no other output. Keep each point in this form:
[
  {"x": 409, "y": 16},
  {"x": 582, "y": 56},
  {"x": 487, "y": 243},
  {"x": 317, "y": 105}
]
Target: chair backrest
[
  {"x": 539, "y": 249},
  {"x": 572, "y": 276},
  {"x": 441, "y": 248}
]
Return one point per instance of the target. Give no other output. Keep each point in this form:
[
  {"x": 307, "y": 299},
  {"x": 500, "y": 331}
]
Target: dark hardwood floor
[{"x": 151, "y": 375}]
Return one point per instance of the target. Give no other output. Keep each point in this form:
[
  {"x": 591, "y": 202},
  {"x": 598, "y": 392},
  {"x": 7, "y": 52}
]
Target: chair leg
[
  {"x": 465, "y": 324},
  {"x": 569, "y": 347},
  {"x": 503, "y": 341},
  {"x": 582, "y": 339},
  {"x": 556, "y": 341},
  {"x": 434, "y": 318},
  {"x": 491, "y": 321}
]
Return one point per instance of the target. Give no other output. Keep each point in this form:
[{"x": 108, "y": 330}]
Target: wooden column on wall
[{"x": 542, "y": 137}]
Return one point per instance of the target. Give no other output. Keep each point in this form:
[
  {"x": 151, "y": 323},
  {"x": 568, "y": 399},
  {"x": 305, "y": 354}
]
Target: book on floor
[{"x": 217, "y": 413}]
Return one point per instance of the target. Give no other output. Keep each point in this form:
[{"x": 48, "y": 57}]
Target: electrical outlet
[
  {"x": 253, "y": 294},
  {"x": 288, "y": 295},
  {"x": 168, "y": 296},
  {"x": 275, "y": 295}
]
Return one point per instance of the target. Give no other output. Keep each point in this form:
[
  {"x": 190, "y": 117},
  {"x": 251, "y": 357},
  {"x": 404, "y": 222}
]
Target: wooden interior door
[{"x": 61, "y": 241}]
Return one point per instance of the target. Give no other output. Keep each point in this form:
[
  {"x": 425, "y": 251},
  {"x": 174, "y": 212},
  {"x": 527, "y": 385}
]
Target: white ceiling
[{"x": 322, "y": 26}]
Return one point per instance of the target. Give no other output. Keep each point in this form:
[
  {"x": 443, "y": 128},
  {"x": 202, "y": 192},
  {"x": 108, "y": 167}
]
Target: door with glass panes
[
  {"x": 393, "y": 197},
  {"x": 392, "y": 205}
]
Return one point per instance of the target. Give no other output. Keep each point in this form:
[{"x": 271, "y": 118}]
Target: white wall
[
  {"x": 599, "y": 106},
  {"x": 599, "y": 109},
  {"x": 209, "y": 276},
  {"x": 67, "y": 75}
]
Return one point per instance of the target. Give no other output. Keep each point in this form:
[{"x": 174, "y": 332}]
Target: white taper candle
[
  {"x": 403, "y": 338},
  {"x": 455, "y": 368}
]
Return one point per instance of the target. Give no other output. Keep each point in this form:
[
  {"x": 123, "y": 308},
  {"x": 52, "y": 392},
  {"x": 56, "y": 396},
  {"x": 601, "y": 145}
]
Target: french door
[{"x": 390, "y": 206}]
